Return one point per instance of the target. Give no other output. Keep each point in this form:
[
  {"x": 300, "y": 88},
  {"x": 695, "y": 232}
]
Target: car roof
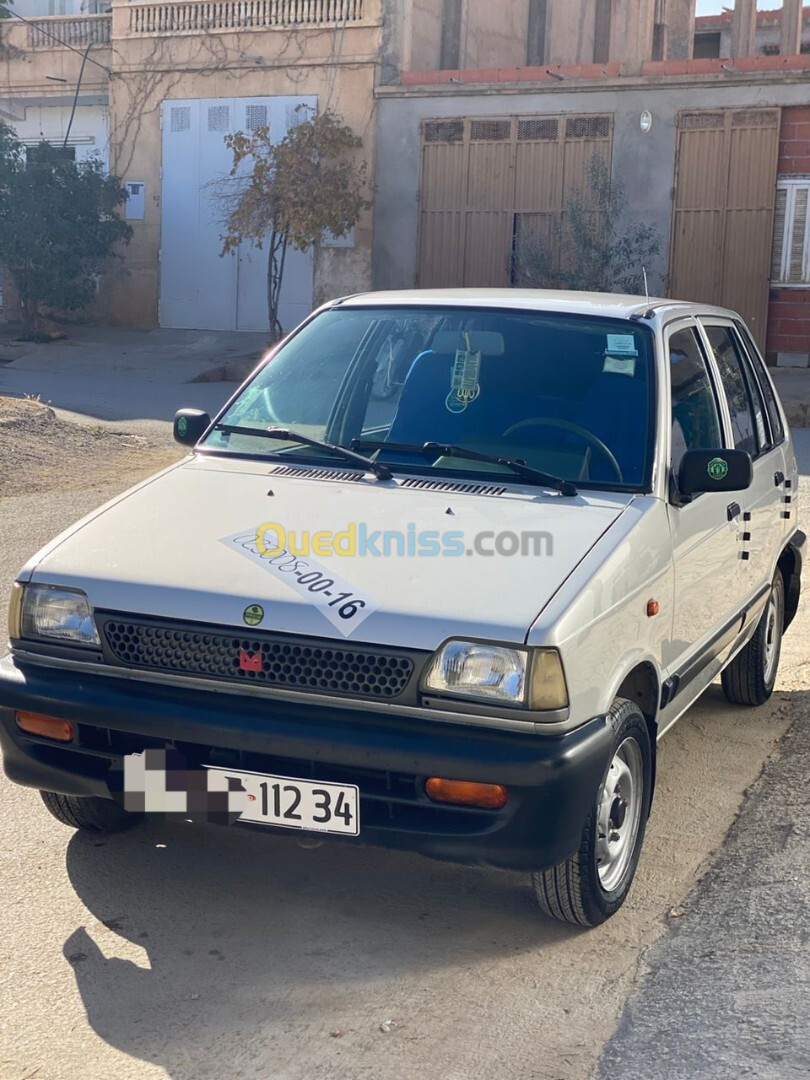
[{"x": 615, "y": 305}]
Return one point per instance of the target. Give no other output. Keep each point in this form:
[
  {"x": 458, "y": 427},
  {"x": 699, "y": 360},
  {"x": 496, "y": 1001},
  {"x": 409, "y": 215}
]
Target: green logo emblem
[
  {"x": 182, "y": 426},
  {"x": 253, "y": 614},
  {"x": 718, "y": 469}
]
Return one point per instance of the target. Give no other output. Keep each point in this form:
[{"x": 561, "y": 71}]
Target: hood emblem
[{"x": 250, "y": 661}]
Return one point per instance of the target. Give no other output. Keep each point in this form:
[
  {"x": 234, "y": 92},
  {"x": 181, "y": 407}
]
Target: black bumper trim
[{"x": 552, "y": 780}]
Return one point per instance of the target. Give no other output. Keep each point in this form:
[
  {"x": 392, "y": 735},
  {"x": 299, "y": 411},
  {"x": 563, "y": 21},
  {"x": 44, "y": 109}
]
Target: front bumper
[{"x": 552, "y": 780}]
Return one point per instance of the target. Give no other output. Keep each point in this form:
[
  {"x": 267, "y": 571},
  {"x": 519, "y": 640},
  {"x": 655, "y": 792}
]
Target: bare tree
[{"x": 304, "y": 185}]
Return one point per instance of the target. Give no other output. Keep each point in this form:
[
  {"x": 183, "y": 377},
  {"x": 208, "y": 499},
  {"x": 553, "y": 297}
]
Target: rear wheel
[
  {"x": 89, "y": 814},
  {"x": 593, "y": 884},
  {"x": 751, "y": 676}
]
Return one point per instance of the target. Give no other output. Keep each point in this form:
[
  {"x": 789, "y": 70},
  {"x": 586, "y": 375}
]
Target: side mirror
[
  {"x": 714, "y": 470},
  {"x": 190, "y": 425}
]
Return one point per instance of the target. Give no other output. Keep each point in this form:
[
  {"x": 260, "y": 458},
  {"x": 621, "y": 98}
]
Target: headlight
[
  {"x": 57, "y": 614},
  {"x": 496, "y": 673}
]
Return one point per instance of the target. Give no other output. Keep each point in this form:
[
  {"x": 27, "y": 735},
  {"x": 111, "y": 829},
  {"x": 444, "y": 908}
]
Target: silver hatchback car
[{"x": 438, "y": 577}]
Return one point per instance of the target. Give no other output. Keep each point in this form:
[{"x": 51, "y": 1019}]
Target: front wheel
[
  {"x": 91, "y": 814},
  {"x": 751, "y": 676},
  {"x": 593, "y": 884}
]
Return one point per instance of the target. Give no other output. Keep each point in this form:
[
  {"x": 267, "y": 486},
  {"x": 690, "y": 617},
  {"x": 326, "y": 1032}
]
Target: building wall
[
  {"x": 495, "y": 34},
  {"x": 88, "y": 132},
  {"x": 789, "y": 311},
  {"x": 133, "y": 286},
  {"x": 644, "y": 162},
  {"x": 337, "y": 67}
]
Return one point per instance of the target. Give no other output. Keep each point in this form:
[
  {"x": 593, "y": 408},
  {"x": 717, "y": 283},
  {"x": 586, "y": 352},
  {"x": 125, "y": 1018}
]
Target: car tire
[
  {"x": 90, "y": 814},
  {"x": 751, "y": 676},
  {"x": 593, "y": 884}
]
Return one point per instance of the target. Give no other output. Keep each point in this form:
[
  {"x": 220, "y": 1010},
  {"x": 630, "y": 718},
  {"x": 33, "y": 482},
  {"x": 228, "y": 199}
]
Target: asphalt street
[{"x": 197, "y": 952}]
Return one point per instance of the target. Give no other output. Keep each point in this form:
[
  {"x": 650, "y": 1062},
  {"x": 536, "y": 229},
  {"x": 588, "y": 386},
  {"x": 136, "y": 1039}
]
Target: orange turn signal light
[
  {"x": 467, "y": 793},
  {"x": 49, "y": 727}
]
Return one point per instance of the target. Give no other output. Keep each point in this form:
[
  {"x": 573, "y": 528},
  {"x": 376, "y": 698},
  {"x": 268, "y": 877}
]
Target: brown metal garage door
[
  {"x": 725, "y": 191},
  {"x": 483, "y": 181}
]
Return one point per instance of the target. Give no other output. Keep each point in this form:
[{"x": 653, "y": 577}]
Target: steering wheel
[{"x": 593, "y": 442}]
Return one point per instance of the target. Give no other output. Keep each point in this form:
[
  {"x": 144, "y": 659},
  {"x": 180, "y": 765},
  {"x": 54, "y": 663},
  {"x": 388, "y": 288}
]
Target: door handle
[
  {"x": 779, "y": 479},
  {"x": 733, "y": 510}
]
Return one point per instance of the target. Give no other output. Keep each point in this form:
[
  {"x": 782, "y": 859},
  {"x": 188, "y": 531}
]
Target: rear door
[
  {"x": 786, "y": 460},
  {"x": 706, "y": 548},
  {"x": 761, "y": 523}
]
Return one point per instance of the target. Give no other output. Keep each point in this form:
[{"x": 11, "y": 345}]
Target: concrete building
[
  {"x": 478, "y": 119},
  {"x": 713, "y": 34},
  {"x": 162, "y": 84},
  {"x": 486, "y": 124}
]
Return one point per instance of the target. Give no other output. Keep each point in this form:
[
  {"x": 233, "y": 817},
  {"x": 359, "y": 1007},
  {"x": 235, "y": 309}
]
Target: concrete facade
[
  {"x": 644, "y": 162},
  {"x": 151, "y": 59},
  {"x": 785, "y": 32}
]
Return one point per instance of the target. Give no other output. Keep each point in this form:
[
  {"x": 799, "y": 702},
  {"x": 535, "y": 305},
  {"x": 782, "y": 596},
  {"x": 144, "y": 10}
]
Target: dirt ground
[{"x": 40, "y": 452}]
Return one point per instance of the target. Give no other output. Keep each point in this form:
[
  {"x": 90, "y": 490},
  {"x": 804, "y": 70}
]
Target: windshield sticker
[
  {"x": 620, "y": 365},
  {"x": 335, "y": 598},
  {"x": 621, "y": 345},
  {"x": 464, "y": 387}
]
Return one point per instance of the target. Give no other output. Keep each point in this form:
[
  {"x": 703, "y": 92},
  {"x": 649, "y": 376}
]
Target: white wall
[{"x": 88, "y": 133}]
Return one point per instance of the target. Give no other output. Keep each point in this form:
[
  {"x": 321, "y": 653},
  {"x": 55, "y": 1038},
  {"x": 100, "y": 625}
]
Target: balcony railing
[
  {"x": 196, "y": 16},
  {"x": 55, "y": 31}
]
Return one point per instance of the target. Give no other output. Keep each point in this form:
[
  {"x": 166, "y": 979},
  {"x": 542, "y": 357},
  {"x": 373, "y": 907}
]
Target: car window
[
  {"x": 570, "y": 395},
  {"x": 747, "y": 428},
  {"x": 755, "y": 395},
  {"x": 695, "y": 417},
  {"x": 772, "y": 408}
]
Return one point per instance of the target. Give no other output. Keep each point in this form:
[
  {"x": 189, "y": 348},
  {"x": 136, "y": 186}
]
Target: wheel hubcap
[
  {"x": 773, "y": 623},
  {"x": 619, "y": 815}
]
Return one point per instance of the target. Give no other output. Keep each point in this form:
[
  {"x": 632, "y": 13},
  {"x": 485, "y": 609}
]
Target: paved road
[
  {"x": 97, "y": 398},
  {"x": 108, "y": 375},
  {"x": 201, "y": 952}
]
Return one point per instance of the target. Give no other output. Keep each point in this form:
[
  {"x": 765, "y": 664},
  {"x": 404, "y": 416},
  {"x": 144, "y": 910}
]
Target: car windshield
[{"x": 566, "y": 394}]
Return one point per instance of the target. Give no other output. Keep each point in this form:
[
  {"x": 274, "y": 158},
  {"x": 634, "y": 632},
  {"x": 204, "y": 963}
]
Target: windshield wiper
[
  {"x": 382, "y": 472},
  {"x": 565, "y": 487}
]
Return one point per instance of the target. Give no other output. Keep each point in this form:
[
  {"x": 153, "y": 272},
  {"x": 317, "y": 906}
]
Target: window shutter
[
  {"x": 779, "y": 221},
  {"x": 797, "y": 240}
]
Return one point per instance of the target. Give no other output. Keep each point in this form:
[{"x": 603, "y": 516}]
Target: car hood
[{"x": 182, "y": 546}]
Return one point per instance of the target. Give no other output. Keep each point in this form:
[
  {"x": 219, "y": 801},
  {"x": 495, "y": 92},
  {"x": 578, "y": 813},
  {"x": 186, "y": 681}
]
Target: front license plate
[{"x": 298, "y": 804}]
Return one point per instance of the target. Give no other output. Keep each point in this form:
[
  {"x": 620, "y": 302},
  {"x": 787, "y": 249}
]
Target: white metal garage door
[{"x": 198, "y": 289}]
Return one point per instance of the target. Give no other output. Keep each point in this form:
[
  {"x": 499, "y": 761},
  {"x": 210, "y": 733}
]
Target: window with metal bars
[
  {"x": 255, "y": 117},
  {"x": 218, "y": 117},
  {"x": 587, "y": 127},
  {"x": 490, "y": 130},
  {"x": 791, "y": 235},
  {"x": 437, "y": 131},
  {"x": 180, "y": 118},
  {"x": 541, "y": 130}
]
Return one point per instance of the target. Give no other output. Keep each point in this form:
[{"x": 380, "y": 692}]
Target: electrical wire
[{"x": 85, "y": 58}]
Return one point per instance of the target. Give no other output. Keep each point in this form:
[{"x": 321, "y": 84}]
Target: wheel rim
[
  {"x": 619, "y": 815},
  {"x": 773, "y": 623}
]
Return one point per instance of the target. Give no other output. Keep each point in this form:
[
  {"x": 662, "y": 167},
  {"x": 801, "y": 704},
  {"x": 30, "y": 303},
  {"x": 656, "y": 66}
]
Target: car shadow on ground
[{"x": 212, "y": 938}]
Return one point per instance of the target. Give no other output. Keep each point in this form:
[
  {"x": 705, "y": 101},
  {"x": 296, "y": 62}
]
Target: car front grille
[{"x": 277, "y": 661}]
